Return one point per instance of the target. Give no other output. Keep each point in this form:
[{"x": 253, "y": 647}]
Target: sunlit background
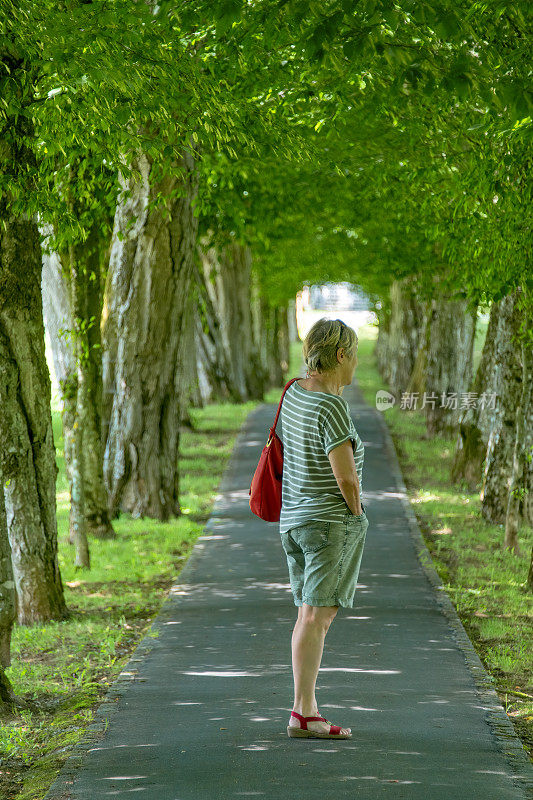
[{"x": 332, "y": 300}]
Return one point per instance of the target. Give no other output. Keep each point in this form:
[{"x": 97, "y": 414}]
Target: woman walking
[{"x": 323, "y": 523}]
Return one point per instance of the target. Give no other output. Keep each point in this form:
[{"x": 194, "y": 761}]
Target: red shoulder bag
[{"x": 265, "y": 489}]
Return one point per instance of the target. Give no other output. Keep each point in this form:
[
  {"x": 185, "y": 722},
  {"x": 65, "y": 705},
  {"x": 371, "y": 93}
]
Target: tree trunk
[
  {"x": 523, "y": 445},
  {"x": 417, "y": 381},
  {"x": 278, "y": 350},
  {"x": 7, "y": 587},
  {"x": 56, "y": 308},
  {"x": 498, "y": 465},
  {"x": 233, "y": 294},
  {"x": 185, "y": 377},
  {"x": 284, "y": 342},
  {"x": 449, "y": 363},
  {"x": 291, "y": 321},
  {"x": 58, "y": 322},
  {"x": 147, "y": 289},
  {"x": 96, "y": 500},
  {"x": 527, "y": 500},
  {"x": 475, "y": 422},
  {"x": 381, "y": 348},
  {"x": 68, "y": 419},
  {"x": 230, "y": 349},
  {"x": 8, "y": 700},
  {"x": 210, "y": 353},
  {"x": 212, "y": 329},
  {"x": 191, "y": 346},
  {"x": 251, "y": 362},
  {"x": 27, "y": 456},
  {"x": 406, "y": 326},
  {"x": 58, "y": 317},
  {"x": 529, "y": 580},
  {"x": 267, "y": 339},
  {"x": 81, "y": 350},
  {"x": 258, "y": 332}
]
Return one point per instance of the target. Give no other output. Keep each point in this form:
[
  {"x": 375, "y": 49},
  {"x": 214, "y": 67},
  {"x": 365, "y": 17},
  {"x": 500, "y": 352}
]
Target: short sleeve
[{"x": 336, "y": 427}]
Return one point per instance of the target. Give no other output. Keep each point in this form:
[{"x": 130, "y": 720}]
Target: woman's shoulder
[
  {"x": 322, "y": 401},
  {"x": 335, "y": 402}
]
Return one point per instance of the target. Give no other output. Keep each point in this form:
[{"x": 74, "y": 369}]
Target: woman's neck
[{"x": 330, "y": 386}]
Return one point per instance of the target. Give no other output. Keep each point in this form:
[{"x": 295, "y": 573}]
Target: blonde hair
[{"x": 322, "y": 342}]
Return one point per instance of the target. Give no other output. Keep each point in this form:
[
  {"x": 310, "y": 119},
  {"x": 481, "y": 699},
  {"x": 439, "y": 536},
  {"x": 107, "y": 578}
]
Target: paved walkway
[{"x": 201, "y": 711}]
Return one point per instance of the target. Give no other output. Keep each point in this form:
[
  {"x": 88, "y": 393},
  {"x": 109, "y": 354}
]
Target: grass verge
[
  {"x": 63, "y": 669},
  {"x": 485, "y": 583},
  {"x": 66, "y": 668}
]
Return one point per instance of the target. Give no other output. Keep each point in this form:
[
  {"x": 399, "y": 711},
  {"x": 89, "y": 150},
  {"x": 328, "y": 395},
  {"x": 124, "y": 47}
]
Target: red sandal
[{"x": 303, "y": 731}]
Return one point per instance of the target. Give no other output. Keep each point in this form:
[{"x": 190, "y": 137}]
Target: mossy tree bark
[
  {"x": 27, "y": 455},
  {"x": 146, "y": 295}
]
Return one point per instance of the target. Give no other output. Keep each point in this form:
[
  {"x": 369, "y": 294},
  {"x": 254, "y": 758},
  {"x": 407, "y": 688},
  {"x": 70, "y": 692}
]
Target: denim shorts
[{"x": 324, "y": 560}]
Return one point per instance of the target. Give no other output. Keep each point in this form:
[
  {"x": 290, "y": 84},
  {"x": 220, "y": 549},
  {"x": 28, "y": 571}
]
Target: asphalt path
[{"x": 201, "y": 709}]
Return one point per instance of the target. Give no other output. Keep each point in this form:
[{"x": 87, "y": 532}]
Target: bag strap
[{"x": 273, "y": 428}]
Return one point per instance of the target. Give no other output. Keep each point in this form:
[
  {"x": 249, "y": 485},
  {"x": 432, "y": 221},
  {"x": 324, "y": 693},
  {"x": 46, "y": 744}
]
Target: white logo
[{"x": 384, "y": 400}]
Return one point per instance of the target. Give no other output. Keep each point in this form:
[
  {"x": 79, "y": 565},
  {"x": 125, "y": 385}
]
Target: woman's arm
[{"x": 343, "y": 466}]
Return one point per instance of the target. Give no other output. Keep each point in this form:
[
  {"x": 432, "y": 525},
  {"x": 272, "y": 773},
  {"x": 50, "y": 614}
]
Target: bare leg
[{"x": 307, "y": 647}]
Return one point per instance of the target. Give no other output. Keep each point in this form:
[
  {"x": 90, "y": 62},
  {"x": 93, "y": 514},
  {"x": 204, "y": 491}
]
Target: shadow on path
[{"x": 201, "y": 711}]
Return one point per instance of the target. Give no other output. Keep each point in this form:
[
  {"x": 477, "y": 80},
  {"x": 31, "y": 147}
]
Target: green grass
[
  {"x": 485, "y": 582},
  {"x": 66, "y": 667}
]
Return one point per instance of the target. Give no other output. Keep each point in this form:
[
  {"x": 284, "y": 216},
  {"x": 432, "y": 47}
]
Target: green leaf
[{"x": 448, "y": 25}]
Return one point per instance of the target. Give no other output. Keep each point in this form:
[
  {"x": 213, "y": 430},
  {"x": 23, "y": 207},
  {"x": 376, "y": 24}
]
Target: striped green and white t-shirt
[{"x": 313, "y": 424}]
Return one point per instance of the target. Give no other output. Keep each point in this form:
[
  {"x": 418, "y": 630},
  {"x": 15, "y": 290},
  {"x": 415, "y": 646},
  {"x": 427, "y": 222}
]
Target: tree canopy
[{"x": 371, "y": 138}]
